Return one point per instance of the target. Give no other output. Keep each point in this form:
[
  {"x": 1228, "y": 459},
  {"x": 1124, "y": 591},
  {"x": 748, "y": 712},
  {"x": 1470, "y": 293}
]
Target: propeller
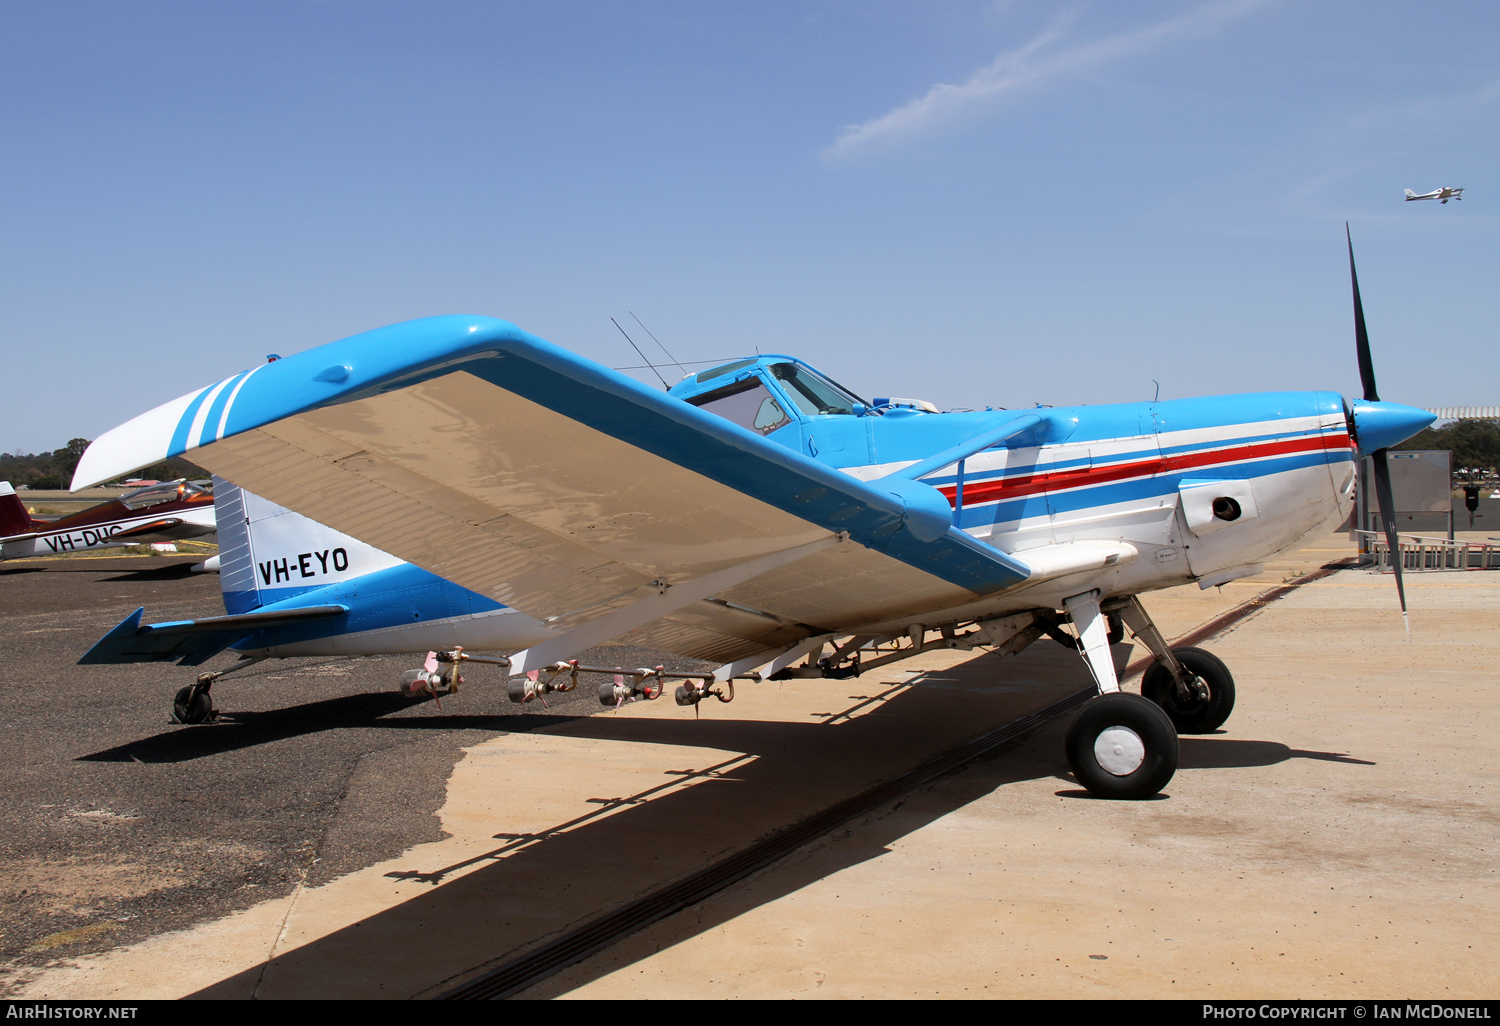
[{"x": 1378, "y": 457}]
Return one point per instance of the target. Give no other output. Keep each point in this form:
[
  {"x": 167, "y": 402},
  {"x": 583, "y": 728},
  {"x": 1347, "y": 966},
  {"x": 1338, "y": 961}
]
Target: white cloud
[{"x": 1031, "y": 65}]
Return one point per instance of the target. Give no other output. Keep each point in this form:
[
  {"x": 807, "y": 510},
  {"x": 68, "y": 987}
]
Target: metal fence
[{"x": 1422, "y": 552}]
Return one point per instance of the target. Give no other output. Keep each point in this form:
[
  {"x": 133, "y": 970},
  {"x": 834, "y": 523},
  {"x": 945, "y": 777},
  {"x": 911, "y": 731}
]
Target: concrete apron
[
  {"x": 1338, "y": 840},
  {"x": 550, "y": 828}
]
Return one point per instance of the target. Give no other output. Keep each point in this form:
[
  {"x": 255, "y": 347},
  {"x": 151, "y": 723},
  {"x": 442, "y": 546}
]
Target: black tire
[
  {"x": 1146, "y": 720},
  {"x": 188, "y": 707},
  {"x": 1196, "y": 716}
]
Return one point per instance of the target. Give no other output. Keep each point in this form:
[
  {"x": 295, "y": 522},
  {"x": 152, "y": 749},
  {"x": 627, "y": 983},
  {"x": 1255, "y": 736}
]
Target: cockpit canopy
[
  {"x": 767, "y": 393},
  {"x": 165, "y": 491}
]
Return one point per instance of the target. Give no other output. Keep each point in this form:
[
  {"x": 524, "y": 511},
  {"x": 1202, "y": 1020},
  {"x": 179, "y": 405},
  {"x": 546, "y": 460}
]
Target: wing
[{"x": 565, "y": 490}]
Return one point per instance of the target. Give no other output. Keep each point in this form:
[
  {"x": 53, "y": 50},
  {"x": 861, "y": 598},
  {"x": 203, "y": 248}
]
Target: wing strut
[{"x": 1093, "y": 630}]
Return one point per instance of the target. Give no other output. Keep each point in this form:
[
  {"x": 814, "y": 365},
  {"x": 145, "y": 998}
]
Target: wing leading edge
[{"x": 558, "y": 487}]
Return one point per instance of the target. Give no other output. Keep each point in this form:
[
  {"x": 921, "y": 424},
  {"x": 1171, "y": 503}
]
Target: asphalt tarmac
[
  {"x": 1334, "y": 840},
  {"x": 121, "y": 825}
]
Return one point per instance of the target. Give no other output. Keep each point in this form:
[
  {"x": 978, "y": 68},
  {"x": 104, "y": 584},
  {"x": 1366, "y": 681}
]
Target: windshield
[{"x": 812, "y": 394}]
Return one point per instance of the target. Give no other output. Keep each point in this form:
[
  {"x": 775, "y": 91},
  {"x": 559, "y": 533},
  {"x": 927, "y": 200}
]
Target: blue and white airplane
[{"x": 760, "y": 516}]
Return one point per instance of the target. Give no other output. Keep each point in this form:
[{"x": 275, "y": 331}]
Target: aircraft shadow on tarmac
[
  {"x": 635, "y": 842},
  {"x": 175, "y": 572},
  {"x": 629, "y": 842},
  {"x": 239, "y": 730},
  {"x": 1225, "y": 753}
]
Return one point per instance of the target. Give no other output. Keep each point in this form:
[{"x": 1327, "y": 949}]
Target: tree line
[
  {"x": 1474, "y": 443},
  {"x": 54, "y": 470}
]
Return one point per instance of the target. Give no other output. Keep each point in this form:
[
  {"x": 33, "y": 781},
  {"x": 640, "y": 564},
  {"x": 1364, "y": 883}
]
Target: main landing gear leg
[
  {"x": 1194, "y": 687},
  {"x": 1119, "y": 745}
]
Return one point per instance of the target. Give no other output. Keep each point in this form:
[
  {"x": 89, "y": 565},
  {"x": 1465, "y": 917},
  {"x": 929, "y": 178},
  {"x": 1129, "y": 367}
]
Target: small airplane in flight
[
  {"x": 169, "y": 511},
  {"x": 1438, "y": 194},
  {"x": 760, "y": 516}
]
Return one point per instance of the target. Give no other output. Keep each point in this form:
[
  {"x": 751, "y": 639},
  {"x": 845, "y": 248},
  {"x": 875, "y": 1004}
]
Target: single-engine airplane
[
  {"x": 1438, "y": 194},
  {"x": 760, "y": 516},
  {"x": 170, "y": 511}
]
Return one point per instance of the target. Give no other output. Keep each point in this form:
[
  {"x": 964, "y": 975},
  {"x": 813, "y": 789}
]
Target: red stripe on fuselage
[{"x": 1077, "y": 477}]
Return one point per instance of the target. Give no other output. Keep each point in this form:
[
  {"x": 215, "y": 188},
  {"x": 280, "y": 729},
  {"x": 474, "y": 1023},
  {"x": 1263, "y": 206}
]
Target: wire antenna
[
  {"x": 658, "y": 342},
  {"x": 641, "y": 354}
]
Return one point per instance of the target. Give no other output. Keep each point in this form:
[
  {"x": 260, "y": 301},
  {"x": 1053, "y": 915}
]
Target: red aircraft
[{"x": 169, "y": 511}]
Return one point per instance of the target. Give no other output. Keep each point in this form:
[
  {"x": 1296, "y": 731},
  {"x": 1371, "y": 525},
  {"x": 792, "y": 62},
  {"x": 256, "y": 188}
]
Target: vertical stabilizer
[
  {"x": 269, "y": 554},
  {"x": 13, "y": 516}
]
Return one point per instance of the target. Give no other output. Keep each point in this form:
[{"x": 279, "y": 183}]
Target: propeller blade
[
  {"x": 1361, "y": 339},
  {"x": 1388, "y": 521}
]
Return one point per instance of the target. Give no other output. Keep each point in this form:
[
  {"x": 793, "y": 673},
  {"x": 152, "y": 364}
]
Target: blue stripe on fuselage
[{"x": 397, "y": 596}]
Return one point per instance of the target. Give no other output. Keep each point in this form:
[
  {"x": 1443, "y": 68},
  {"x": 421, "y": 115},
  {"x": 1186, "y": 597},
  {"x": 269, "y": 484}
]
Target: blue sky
[{"x": 968, "y": 202}]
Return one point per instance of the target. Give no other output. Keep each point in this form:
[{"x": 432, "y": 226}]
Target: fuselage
[{"x": 1139, "y": 473}]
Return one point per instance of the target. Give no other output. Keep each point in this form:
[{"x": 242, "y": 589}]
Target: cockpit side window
[
  {"x": 747, "y": 403},
  {"x": 812, "y": 394}
]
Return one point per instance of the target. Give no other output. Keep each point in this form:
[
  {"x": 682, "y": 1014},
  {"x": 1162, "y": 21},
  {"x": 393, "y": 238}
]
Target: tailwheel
[
  {"x": 192, "y": 705},
  {"x": 1122, "y": 746},
  {"x": 1203, "y": 705}
]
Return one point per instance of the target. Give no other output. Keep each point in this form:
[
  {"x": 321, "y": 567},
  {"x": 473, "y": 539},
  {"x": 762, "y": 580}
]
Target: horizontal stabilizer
[{"x": 191, "y": 642}]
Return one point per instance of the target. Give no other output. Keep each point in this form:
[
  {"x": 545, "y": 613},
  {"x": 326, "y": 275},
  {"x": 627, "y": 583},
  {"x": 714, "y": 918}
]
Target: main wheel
[
  {"x": 1122, "y": 746},
  {"x": 191, "y": 707},
  {"x": 1195, "y": 715}
]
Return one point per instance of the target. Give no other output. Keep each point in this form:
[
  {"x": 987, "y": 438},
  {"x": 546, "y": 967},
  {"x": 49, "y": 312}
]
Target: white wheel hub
[{"x": 1119, "y": 750}]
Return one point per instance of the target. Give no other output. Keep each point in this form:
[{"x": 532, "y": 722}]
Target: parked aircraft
[
  {"x": 169, "y": 511},
  {"x": 763, "y": 517},
  {"x": 1438, "y": 194}
]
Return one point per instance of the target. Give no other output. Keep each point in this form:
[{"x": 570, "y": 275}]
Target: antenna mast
[{"x": 641, "y": 354}]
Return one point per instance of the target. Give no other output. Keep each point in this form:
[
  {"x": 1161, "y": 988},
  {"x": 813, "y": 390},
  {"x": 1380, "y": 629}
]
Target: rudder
[{"x": 13, "y": 516}]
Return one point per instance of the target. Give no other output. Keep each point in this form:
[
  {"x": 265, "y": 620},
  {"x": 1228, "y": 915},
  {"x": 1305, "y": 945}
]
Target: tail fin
[
  {"x": 1410, "y": 194},
  {"x": 268, "y": 554},
  {"x": 13, "y": 516}
]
